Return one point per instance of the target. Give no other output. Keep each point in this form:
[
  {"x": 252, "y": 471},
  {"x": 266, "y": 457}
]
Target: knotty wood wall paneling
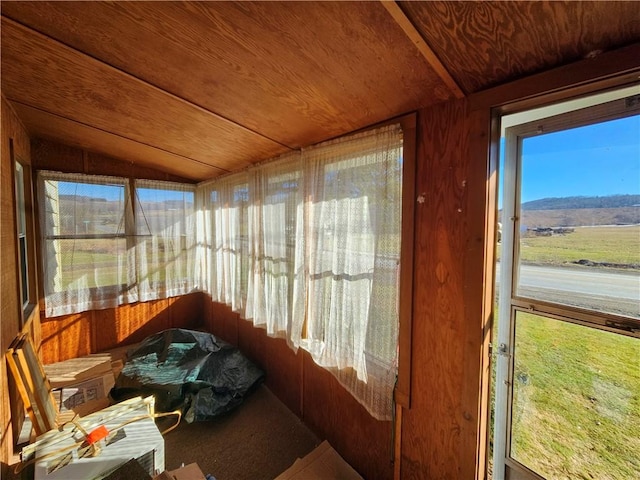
[
  {"x": 334, "y": 414},
  {"x": 435, "y": 437},
  {"x": 14, "y": 136},
  {"x": 78, "y": 334},
  {"x": 484, "y": 44},
  {"x": 305, "y": 71},
  {"x": 85, "y": 90}
]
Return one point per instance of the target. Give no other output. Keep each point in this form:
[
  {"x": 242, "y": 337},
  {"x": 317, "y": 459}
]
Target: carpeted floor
[{"x": 257, "y": 441}]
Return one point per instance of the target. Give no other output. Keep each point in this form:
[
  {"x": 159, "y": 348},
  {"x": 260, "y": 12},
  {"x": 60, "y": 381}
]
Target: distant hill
[
  {"x": 580, "y": 211},
  {"x": 573, "y": 203}
]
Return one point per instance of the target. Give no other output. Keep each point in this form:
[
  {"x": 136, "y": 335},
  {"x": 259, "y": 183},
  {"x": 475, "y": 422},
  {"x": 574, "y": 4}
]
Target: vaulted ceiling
[{"x": 198, "y": 89}]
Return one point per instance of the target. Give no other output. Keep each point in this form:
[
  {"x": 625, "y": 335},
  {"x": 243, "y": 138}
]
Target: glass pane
[
  {"x": 580, "y": 217},
  {"x": 20, "y": 200},
  {"x": 576, "y": 400},
  {"x": 87, "y": 263},
  {"x": 24, "y": 270},
  {"x": 163, "y": 211},
  {"x": 74, "y": 208}
]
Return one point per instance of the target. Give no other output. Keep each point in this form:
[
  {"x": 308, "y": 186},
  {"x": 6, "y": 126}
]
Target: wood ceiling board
[
  {"x": 47, "y": 75},
  {"x": 48, "y": 126},
  {"x": 483, "y": 44},
  {"x": 297, "y": 72}
]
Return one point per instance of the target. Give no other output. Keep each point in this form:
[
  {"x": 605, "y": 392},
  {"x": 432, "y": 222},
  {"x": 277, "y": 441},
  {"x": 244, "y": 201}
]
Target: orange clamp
[{"x": 97, "y": 434}]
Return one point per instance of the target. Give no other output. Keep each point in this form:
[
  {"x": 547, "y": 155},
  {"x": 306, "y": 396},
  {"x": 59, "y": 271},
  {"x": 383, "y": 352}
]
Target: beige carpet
[{"x": 257, "y": 441}]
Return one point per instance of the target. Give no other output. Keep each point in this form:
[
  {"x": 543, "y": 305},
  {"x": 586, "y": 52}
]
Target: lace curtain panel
[
  {"x": 100, "y": 251},
  {"x": 86, "y": 259},
  {"x": 308, "y": 246}
]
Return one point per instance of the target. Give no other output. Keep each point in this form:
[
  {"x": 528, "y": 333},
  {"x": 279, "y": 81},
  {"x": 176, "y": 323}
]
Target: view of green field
[
  {"x": 611, "y": 244},
  {"x": 576, "y": 405}
]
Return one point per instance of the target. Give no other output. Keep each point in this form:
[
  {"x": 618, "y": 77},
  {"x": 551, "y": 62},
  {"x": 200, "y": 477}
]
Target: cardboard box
[
  {"x": 72, "y": 396},
  {"x": 323, "y": 463}
]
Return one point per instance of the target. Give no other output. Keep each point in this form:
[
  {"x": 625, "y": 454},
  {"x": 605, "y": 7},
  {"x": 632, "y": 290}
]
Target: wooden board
[
  {"x": 76, "y": 370},
  {"x": 47, "y": 75},
  {"x": 32, "y": 384},
  {"x": 483, "y": 44}
]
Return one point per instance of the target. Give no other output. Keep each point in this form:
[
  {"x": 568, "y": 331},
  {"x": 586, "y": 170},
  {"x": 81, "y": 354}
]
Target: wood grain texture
[
  {"x": 297, "y": 72},
  {"x": 433, "y": 430},
  {"x": 75, "y": 335},
  {"x": 483, "y": 44},
  {"x": 418, "y": 41},
  {"x": 13, "y": 133},
  {"x": 134, "y": 155},
  {"x": 128, "y": 324},
  {"x": 617, "y": 68},
  {"x": 68, "y": 336},
  {"x": 478, "y": 291},
  {"x": 45, "y": 74},
  {"x": 187, "y": 310},
  {"x": 334, "y": 414},
  {"x": 52, "y": 155},
  {"x": 284, "y": 372}
]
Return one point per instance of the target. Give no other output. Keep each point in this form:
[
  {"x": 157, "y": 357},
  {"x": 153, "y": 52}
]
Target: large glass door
[{"x": 568, "y": 348}]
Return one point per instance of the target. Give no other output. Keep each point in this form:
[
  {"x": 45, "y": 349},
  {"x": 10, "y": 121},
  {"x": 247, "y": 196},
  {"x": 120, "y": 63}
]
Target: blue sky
[
  {"x": 116, "y": 192},
  {"x": 596, "y": 160}
]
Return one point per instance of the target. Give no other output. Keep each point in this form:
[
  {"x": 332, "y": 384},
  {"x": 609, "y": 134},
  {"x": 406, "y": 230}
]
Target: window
[
  {"x": 83, "y": 222},
  {"x": 568, "y": 375},
  {"x": 165, "y": 229},
  {"x": 22, "y": 235},
  {"x": 26, "y": 274},
  {"x": 309, "y": 247}
]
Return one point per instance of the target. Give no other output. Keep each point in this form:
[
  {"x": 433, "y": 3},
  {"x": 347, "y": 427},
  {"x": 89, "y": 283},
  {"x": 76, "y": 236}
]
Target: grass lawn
[
  {"x": 576, "y": 405},
  {"x": 598, "y": 244},
  {"x": 576, "y": 410}
]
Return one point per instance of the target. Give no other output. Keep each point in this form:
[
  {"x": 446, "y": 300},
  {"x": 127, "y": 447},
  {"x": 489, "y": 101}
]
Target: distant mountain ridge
[{"x": 573, "y": 203}]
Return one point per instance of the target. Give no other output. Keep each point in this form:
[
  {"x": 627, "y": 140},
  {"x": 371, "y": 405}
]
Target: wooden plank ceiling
[{"x": 198, "y": 89}]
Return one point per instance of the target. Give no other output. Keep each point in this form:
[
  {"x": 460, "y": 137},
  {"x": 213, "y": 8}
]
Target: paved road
[{"x": 592, "y": 288}]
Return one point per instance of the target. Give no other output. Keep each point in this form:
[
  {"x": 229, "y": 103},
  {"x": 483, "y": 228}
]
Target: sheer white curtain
[
  {"x": 225, "y": 244},
  {"x": 308, "y": 246},
  {"x": 351, "y": 243},
  {"x": 275, "y": 192},
  {"x": 247, "y": 241},
  {"x": 165, "y": 221},
  {"x": 100, "y": 251},
  {"x": 87, "y": 260}
]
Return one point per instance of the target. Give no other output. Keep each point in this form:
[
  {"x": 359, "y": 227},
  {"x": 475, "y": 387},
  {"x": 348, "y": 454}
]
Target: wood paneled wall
[
  {"x": 312, "y": 393},
  {"x": 79, "y": 334},
  {"x": 440, "y": 430},
  {"x": 13, "y": 136}
]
